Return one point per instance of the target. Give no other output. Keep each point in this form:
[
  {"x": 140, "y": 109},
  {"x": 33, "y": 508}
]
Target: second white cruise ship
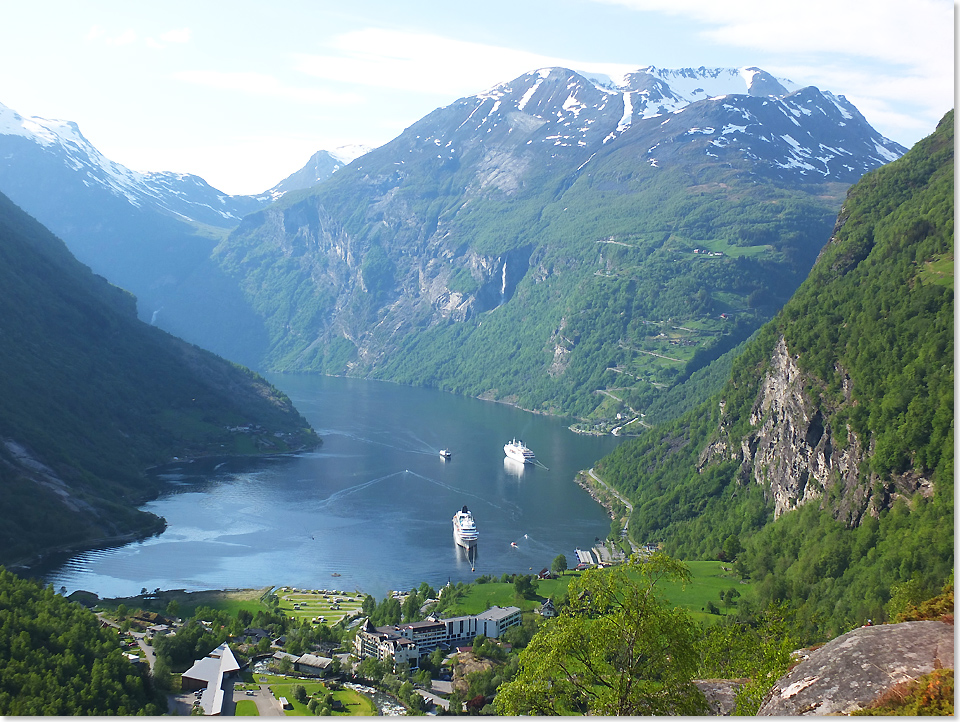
[
  {"x": 516, "y": 450},
  {"x": 465, "y": 528}
]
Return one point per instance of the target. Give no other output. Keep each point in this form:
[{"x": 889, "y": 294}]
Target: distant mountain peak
[
  {"x": 322, "y": 165},
  {"x": 182, "y": 195}
]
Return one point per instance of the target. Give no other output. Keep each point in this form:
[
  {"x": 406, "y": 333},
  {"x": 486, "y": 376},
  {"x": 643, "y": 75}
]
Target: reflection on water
[
  {"x": 512, "y": 467},
  {"x": 373, "y": 504}
]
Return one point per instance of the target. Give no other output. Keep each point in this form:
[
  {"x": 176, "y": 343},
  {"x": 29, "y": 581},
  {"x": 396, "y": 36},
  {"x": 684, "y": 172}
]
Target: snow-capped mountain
[
  {"x": 425, "y": 257},
  {"x": 178, "y": 194},
  {"x": 322, "y": 165},
  {"x": 781, "y": 128},
  {"x": 514, "y": 191}
]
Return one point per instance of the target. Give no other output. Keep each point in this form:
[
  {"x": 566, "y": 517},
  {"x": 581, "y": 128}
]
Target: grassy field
[
  {"x": 354, "y": 703},
  {"x": 709, "y": 580},
  {"x": 247, "y": 708},
  {"x": 230, "y": 600},
  {"x": 315, "y": 603}
]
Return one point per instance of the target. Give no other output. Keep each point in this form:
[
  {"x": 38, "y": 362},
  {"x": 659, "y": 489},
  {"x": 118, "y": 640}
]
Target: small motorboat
[
  {"x": 514, "y": 544},
  {"x": 445, "y": 454}
]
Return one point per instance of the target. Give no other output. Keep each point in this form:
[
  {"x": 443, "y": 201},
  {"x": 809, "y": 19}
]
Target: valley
[{"x": 735, "y": 290}]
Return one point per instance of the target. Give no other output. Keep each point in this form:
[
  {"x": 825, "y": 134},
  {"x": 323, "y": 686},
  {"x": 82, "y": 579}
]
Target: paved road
[
  {"x": 140, "y": 637},
  {"x": 267, "y": 704},
  {"x": 610, "y": 489},
  {"x": 439, "y": 701},
  {"x": 147, "y": 649}
]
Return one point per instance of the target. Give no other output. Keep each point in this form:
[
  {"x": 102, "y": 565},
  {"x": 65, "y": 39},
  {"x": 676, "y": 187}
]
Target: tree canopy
[
  {"x": 617, "y": 648},
  {"x": 56, "y": 660}
]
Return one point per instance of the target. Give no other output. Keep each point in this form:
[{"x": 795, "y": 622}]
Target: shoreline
[{"x": 581, "y": 481}]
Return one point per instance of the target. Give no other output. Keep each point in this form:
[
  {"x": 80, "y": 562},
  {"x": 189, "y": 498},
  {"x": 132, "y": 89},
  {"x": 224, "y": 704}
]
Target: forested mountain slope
[
  {"x": 837, "y": 420},
  {"x": 56, "y": 659},
  {"x": 565, "y": 243},
  {"x": 90, "y": 397},
  {"x": 149, "y": 233}
]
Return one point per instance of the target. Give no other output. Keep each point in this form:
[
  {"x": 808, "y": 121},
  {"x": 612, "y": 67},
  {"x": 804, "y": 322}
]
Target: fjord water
[{"x": 373, "y": 504}]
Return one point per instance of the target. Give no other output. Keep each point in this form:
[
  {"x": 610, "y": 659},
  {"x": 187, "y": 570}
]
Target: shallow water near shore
[{"x": 371, "y": 508}]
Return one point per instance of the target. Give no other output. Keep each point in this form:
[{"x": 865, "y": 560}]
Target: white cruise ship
[
  {"x": 517, "y": 451},
  {"x": 465, "y": 528}
]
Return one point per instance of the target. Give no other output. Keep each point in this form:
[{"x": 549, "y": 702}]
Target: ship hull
[
  {"x": 518, "y": 452},
  {"x": 465, "y": 531}
]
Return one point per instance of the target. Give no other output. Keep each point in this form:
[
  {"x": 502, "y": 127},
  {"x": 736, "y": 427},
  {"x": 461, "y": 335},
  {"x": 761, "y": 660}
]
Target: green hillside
[
  {"x": 618, "y": 284},
  {"x": 91, "y": 397},
  {"x": 55, "y": 659},
  {"x": 871, "y": 331}
]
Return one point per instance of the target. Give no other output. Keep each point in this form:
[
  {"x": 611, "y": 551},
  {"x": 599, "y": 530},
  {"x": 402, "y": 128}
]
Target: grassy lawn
[
  {"x": 939, "y": 271},
  {"x": 709, "y": 580},
  {"x": 230, "y": 601},
  {"x": 354, "y": 703},
  {"x": 315, "y": 603},
  {"x": 247, "y": 708}
]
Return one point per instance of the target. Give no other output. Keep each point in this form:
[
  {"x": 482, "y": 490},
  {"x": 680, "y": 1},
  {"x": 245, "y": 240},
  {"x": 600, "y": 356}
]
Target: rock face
[
  {"x": 793, "y": 450},
  {"x": 851, "y": 671}
]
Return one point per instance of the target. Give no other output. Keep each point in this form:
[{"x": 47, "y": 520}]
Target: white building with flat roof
[{"x": 421, "y": 638}]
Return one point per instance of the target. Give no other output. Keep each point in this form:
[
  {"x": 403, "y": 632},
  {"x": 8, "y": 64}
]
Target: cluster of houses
[{"x": 406, "y": 643}]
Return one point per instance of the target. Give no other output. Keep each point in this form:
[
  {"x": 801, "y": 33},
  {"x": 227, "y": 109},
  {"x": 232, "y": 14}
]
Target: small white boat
[{"x": 445, "y": 454}]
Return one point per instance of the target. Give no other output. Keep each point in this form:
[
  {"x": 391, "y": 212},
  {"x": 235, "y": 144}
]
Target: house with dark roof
[{"x": 313, "y": 665}]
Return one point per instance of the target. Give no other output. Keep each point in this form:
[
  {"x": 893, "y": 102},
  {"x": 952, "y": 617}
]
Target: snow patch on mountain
[
  {"x": 348, "y": 153},
  {"x": 185, "y": 196}
]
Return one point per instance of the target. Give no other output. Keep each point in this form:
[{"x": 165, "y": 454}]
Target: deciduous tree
[{"x": 616, "y": 649}]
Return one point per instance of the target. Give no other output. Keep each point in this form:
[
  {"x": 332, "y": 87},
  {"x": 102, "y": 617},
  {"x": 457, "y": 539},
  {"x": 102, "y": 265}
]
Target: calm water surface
[{"x": 373, "y": 505}]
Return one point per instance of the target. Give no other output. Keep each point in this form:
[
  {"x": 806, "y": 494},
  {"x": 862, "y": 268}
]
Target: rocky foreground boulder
[{"x": 854, "y": 669}]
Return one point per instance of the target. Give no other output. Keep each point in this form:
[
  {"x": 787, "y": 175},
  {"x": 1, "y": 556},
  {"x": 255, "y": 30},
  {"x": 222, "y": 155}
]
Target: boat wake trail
[
  {"x": 461, "y": 492},
  {"x": 337, "y": 495},
  {"x": 361, "y": 437}
]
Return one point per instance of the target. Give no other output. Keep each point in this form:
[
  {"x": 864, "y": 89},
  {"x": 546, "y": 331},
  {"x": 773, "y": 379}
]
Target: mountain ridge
[
  {"x": 442, "y": 228},
  {"x": 93, "y": 397},
  {"x": 530, "y": 192}
]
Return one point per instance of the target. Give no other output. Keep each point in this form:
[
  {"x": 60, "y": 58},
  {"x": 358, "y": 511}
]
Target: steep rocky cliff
[
  {"x": 794, "y": 453},
  {"x": 825, "y": 465},
  {"x": 867, "y": 338},
  {"x": 558, "y": 236}
]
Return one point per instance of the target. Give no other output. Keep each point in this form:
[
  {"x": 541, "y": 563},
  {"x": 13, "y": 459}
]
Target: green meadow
[
  {"x": 354, "y": 703},
  {"x": 708, "y": 580}
]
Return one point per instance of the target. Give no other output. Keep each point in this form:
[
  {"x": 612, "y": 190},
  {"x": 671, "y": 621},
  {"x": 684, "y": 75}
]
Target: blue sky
[{"x": 242, "y": 92}]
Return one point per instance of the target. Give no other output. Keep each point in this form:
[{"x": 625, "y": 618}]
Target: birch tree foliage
[{"x": 617, "y": 648}]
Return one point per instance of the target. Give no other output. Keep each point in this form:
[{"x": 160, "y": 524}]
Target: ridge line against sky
[{"x": 243, "y": 94}]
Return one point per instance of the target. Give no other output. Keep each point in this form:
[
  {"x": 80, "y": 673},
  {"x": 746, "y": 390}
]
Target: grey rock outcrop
[
  {"x": 793, "y": 449},
  {"x": 854, "y": 669}
]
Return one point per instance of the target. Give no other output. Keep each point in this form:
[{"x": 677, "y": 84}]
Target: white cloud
[
  {"x": 424, "y": 63},
  {"x": 881, "y": 54},
  {"x": 883, "y": 30},
  {"x": 264, "y": 85},
  {"x": 127, "y": 37}
]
